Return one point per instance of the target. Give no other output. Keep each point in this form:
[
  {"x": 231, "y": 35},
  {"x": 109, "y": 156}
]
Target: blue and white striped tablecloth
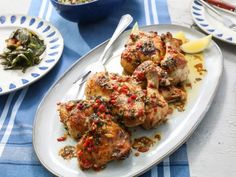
[{"x": 17, "y": 110}]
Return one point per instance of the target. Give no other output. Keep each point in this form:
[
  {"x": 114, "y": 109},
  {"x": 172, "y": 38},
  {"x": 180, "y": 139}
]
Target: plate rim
[
  {"x": 205, "y": 30},
  {"x": 138, "y": 172},
  {"x": 8, "y": 15}
]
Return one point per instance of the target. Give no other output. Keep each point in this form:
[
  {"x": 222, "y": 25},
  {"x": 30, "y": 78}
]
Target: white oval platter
[{"x": 47, "y": 127}]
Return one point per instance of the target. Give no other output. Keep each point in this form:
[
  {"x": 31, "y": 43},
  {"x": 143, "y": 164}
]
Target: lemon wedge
[
  {"x": 135, "y": 29},
  {"x": 196, "y": 46},
  {"x": 181, "y": 36}
]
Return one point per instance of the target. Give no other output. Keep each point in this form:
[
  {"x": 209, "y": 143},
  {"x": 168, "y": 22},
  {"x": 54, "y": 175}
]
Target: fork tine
[
  {"x": 233, "y": 27},
  {"x": 82, "y": 76}
]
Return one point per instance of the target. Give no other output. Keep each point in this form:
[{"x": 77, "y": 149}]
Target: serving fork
[
  {"x": 77, "y": 89},
  {"x": 225, "y": 20}
]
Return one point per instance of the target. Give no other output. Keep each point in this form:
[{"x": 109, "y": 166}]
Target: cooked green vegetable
[
  {"x": 74, "y": 1},
  {"x": 23, "y": 50}
]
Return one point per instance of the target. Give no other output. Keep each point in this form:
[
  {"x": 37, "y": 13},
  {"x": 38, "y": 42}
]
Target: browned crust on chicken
[
  {"x": 122, "y": 92},
  {"x": 104, "y": 142},
  {"x": 142, "y": 47},
  {"x": 173, "y": 94},
  {"x": 156, "y": 108},
  {"x": 174, "y": 61},
  {"x": 76, "y": 115}
]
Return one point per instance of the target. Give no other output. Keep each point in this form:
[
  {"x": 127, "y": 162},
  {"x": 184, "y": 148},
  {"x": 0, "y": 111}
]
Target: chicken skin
[
  {"x": 142, "y": 47},
  {"x": 174, "y": 61},
  {"x": 122, "y": 92},
  {"x": 104, "y": 142},
  {"x": 76, "y": 115},
  {"x": 156, "y": 108},
  {"x": 173, "y": 94}
]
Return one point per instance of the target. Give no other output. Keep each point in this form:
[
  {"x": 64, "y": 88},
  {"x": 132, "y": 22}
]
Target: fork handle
[
  {"x": 210, "y": 7},
  {"x": 222, "y": 4},
  {"x": 122, "y": 25}
]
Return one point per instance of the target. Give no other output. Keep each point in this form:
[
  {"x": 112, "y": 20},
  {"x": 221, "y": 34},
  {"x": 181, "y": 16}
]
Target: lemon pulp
[
  {"x": 181, "y": 36},
  {"x": 197, "y": 46}
]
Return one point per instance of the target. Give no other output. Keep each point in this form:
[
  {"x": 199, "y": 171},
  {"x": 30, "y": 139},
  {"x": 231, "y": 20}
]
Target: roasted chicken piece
[
  {"x": 76, "y": 115},
  {"x": 104, "y": 142},
  {"x": 141, "y": 47},
  {"x": 122, "y": 92},
  {"x": 174, "y": 61},
  {"x": 156, "y": 108},
  {"x": 173, "y": 94}
]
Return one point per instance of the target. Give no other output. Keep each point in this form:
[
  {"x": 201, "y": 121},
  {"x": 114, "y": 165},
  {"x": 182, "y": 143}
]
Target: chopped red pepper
[
  {"x": 69, "y": 107},
  {"x": 95, "y": 106},
  {"x": 86, "y": 163},
  {"x": 80, "y": 106},
  {"x": 140, "y": 75},
  {"x": 155, "y": 109},
  {"x": 124, "y": 89},
  {"x": 80, "y": 153},
  {"x": 102, "y": 108},
  {"x": 60, "y": 139},
  {"x": 88, "y": 142},
  {"x": 113, "y": 102},
  {"x": 133, "y": 97},
  {"x": 115, "y": 87},
  {"x": 139, "y": 45},
  {"x": 129, "y": 100},
  {"x": 151, "y": 85},
  {"x": 113, "y": 77},
  {"x": 140, "y": 112},
  {"x": 98, "y": 101}
]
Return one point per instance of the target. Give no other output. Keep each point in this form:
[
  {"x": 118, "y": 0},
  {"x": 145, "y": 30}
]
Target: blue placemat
[{"x": 17, "y": 110}]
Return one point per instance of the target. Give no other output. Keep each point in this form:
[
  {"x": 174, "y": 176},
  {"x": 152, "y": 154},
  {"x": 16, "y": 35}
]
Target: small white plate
[
  {"x": 11, "y": 80},
  {"x": 207, "y": 21},
  {"x": 47, "y": 127}
]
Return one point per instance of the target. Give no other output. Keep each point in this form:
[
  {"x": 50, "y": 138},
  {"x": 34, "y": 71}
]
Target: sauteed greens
[{"x": 23, "y": 50}]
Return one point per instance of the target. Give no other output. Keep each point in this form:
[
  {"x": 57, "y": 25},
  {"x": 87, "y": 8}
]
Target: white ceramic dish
[
  {"x": 11, "y": 80},
  {"x": 47, "y": 127},
  {"x": 207, "y": 21}
]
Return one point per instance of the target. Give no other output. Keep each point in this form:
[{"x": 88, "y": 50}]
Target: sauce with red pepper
[
  {"x": 142, "y": 144},
  {"x": 62, "y": 138}
]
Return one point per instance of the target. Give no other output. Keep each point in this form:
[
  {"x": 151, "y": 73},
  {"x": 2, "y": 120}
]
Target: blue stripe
[
  {"x": 34, "y": 7},
  {"x": 147, "y": 174},
  {"x": 19, "y": 144},
  {"x": 179, "y": 163},
  {"x": 23, "y": 171},
  {"x": 9, "y": 112},
  {"x": 160, "y": 170},
  {"x": 150, "y": 12},
  {"x": 3, "y": 100},
  {"x": 163, "y": 12},
  {"x": 21, "y": 164},
  {"x": 45, "y": 12}
]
